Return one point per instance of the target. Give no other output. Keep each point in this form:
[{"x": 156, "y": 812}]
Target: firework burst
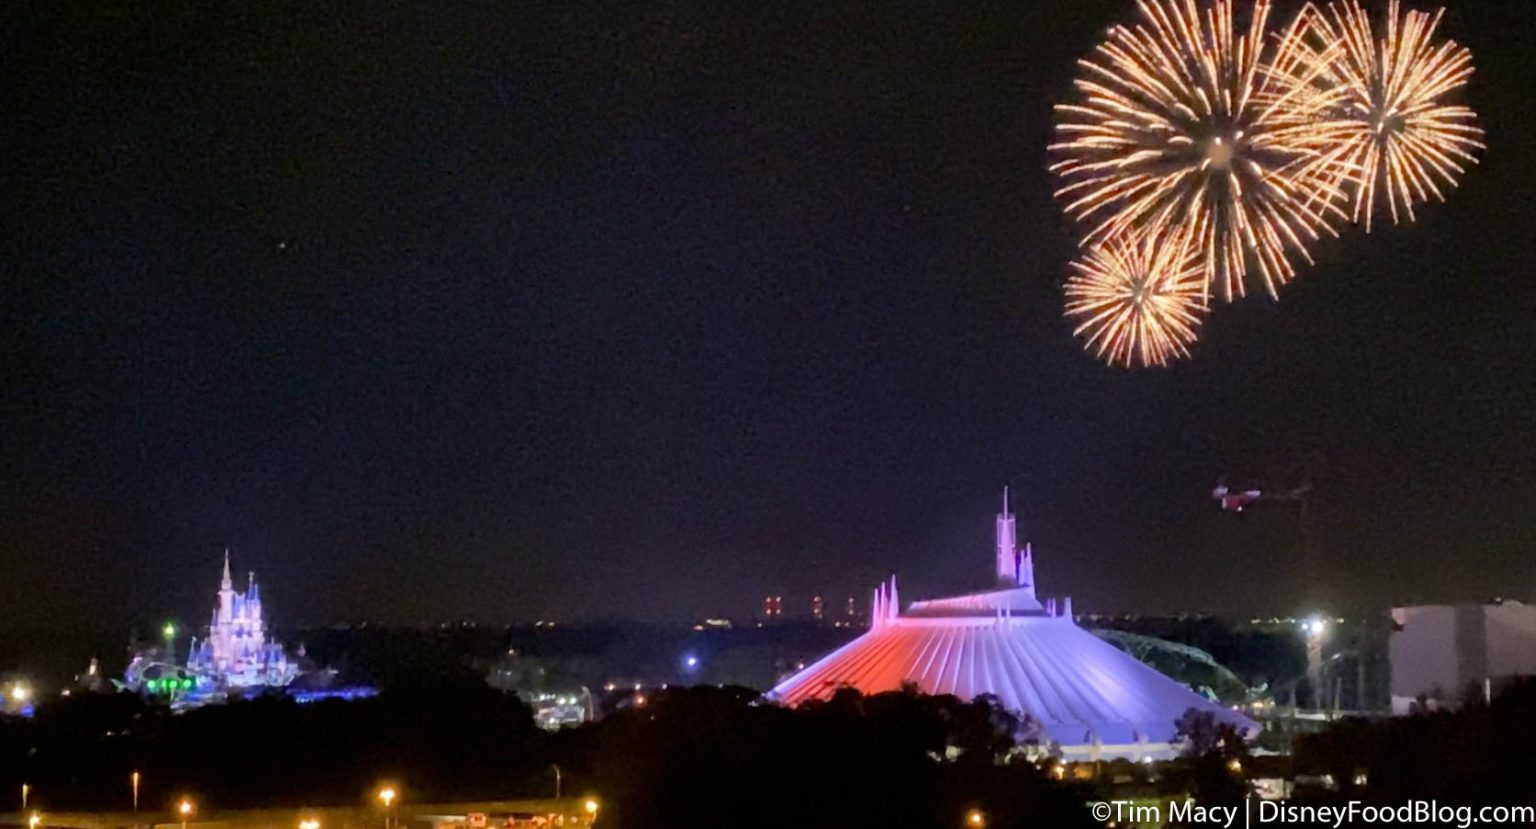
[
  {"x": 1189, "y": 127},
  {"x": 1390, "y": 122},
  {"x": 1137, "y": 302}
]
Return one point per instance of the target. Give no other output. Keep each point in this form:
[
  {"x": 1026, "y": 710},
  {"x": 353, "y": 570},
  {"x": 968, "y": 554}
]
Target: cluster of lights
[
  {"x": 169, "y": 685},
  {"x": 1200, "y": 152}
]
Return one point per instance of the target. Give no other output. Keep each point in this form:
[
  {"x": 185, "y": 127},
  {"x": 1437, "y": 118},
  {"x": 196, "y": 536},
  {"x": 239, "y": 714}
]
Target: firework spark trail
[
  {"x": 1183, "y": 129},
  {"x": 1138, "y": 302},
  {"x": 1389, "y": 122}
]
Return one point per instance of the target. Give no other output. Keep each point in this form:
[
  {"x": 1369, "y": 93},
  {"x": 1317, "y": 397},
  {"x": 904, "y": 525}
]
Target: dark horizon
[{"x": 582, "y": 314}]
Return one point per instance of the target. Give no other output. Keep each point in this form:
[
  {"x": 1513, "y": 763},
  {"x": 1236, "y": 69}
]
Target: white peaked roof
[{"x": 1089, "y": 696}]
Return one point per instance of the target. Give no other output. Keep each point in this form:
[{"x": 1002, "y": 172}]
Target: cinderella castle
[{"x": 237, "y": 654}]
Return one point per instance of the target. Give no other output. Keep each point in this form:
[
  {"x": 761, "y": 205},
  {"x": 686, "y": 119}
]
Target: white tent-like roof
[{"x": 1091, "y": 698}]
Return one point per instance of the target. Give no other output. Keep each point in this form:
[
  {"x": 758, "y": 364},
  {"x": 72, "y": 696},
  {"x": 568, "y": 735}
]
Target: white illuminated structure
[
  {"x": 1086, "y": 696},
  {"x": 237, "y": 653}
]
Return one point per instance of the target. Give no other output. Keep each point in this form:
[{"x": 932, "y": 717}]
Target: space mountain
[{"x": 1092, "y": 700}]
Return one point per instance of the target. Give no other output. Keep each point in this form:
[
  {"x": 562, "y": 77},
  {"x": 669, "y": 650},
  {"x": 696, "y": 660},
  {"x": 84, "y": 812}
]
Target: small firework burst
[{"x": 1137, "y": 302}]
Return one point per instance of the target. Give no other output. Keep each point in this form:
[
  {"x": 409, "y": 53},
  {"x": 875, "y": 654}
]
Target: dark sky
[{"x": 509, "y": 310}]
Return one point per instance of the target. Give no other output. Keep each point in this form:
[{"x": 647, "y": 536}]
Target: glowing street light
[
  {"x": 387, "y": 797},
  {"x": 133, "y": 783},
  {"x": 590, "y": 806},
  {"x": 20, "y": 692},
  {"x": 1314, "y": 626},
  {"x": 309, "y": 823},
  {"x": 1316, "y": 629},
  {"x": 185, "y": 809},
  {"x": 34, "y": 820},
  {"x": 26, "y": 791},
  {"x": 975, "y": 819}
]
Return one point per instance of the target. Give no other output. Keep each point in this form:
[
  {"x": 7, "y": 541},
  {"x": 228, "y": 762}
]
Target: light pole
[
  {"x": 185, "y": 809},
  {"x": 25, "y": 791},
  {"x": 33, "y": 820},
  {"x": 590, "y": 807},
  {"x": 1316, "y": 629},
  {"x": 387, "y": 796},
  {"x": 133, "y": 784},
  {"x": 557, "y": 780},
  {"x": 169, "y": 631}
]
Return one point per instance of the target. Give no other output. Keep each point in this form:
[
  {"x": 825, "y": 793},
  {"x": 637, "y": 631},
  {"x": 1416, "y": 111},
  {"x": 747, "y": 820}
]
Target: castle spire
[{"x": 227, "y": 583}]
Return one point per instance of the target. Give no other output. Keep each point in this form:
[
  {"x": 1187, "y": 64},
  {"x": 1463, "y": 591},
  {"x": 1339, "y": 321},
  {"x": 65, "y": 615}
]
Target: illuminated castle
[
  {"x": 1080, "y": 693},
  {"x": 237, "y": 653}
]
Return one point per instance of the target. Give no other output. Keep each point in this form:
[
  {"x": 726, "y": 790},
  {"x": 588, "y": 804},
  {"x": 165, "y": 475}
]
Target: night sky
[{"x": 514, "y": 311}]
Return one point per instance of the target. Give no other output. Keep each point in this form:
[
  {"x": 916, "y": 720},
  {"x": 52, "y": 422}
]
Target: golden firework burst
[
  {"x": 1138, "y": 302},
  {"x": 1187, "y": 125},
  {"x": 1390, "y": 121}
]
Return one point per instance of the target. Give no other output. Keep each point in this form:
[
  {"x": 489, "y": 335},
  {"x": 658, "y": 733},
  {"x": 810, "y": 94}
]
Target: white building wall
[{"x": 1441, "y": 650}]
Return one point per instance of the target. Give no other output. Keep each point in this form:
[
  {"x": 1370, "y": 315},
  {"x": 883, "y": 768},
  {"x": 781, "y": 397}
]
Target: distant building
[
  {"x": 1078, "y": 692},
  {"x": 1441, "y": 653},
  {"x": 237, "y": 653}
]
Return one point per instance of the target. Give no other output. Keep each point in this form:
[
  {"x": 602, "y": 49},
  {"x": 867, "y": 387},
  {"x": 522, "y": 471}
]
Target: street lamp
[
  {"x": 133, "y": 783},
  {"x": 26, "y": 790},
  {"x": 185, "y": 809},
  {"x": 387, "y": 796},
  {"x": 169, "y": 632},
  {"x": 975, "y": 819},
  {"x": 1316, "y": 629}
]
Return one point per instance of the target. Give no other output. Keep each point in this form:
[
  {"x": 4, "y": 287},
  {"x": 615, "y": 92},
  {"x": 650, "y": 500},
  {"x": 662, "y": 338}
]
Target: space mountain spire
[
  {"x": 885, "y": 608},
  {"x": 1015, "y": 567}
]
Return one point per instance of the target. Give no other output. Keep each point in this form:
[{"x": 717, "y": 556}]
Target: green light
[{"x": 169, "y": 630}]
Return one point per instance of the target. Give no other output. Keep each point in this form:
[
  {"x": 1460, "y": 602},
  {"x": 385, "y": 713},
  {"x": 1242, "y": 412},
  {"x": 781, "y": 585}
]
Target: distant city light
[
  {"x": 20, "y": 692},
  {"x": 691, "y": 661}
]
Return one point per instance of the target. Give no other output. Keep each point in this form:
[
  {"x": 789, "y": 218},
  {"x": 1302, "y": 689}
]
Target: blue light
[{"x": 690, "y": 661}]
